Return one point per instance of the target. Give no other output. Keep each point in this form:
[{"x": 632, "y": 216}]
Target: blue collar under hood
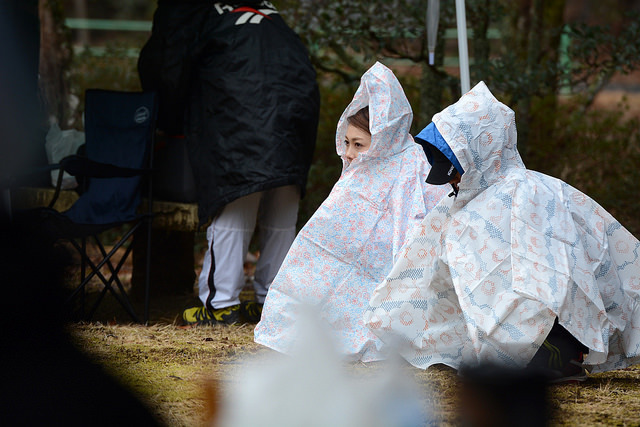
[{"x": 431, "y": 135}]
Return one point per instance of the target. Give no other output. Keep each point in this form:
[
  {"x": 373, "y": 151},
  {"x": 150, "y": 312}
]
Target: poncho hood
[
  {"x": 481, "y": 133},
  {"x": 390, "y": 115}
]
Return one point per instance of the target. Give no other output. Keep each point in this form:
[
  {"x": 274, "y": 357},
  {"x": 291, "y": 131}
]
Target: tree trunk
[
  {"x": 80, "y": 9},
  {"x": 55, "y": 60},
  {"x": 534, "y": 36},
  {"x": 480, "y": 10},
  {"x": 544, "y": 42}
]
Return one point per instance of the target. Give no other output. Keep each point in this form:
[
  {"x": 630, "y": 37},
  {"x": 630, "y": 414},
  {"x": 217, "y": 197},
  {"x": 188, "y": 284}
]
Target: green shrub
[{"x": 598, "y": 152}]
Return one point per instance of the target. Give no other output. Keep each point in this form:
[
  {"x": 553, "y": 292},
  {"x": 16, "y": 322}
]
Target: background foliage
[
  {"x": 547, "y": 67},
  {"x": 537, "y": 57}
]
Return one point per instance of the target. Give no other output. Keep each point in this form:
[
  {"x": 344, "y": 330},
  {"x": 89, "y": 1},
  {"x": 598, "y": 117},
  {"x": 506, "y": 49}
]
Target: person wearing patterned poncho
[
  {"x": 348, "y": 246},
  {"x": 514, "y": 256}
]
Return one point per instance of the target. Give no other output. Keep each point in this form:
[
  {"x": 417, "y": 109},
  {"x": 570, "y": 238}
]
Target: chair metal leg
[{"x": 120, "y": 296}]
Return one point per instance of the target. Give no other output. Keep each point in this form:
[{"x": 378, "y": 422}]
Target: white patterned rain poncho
[
  {"x": 350, "y": 243},
  {"x": 482, "y": 279}
]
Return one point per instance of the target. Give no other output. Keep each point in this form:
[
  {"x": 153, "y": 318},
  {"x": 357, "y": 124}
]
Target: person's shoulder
[
  {"x": 542, "y": 183},
  {"x": 515, "y": 179}
]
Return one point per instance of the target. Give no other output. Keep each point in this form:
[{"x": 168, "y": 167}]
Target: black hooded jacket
[{"x": 238, "y": 82}]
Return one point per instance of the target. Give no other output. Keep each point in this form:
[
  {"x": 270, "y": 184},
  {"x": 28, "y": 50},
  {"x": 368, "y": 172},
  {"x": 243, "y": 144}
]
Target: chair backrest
[{"x": 119, "y": 128}]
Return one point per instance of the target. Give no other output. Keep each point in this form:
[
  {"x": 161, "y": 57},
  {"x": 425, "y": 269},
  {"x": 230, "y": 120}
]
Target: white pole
[{"x": 463, "y": 52}]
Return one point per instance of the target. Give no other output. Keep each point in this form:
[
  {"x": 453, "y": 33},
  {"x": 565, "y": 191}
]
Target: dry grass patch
[
  {"x": 170, "y": 368},
  {"x": 167, "y": 366}
]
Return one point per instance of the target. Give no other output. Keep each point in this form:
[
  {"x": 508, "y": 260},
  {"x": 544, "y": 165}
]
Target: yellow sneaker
[{"x": 200, "y": 316}]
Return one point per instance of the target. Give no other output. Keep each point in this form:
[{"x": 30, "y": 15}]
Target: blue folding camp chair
[{"x": 119, "y": 129}]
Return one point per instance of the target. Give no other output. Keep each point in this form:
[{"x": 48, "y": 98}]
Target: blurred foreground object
[
  {"x": 47, "y": 380},
  {"x": 496, "y": 396},
  {"x": 314, "y": 387}
]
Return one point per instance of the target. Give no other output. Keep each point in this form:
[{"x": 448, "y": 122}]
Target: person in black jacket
[{"x": 238, "y": 83}]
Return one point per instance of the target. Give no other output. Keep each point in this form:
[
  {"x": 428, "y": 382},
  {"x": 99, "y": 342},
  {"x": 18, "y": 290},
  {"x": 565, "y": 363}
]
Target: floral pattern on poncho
[{"x": 348, "y": 246}]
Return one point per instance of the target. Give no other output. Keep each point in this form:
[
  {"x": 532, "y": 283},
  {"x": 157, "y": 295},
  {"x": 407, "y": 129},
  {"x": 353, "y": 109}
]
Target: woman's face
[{"x": 356, "y": 141}]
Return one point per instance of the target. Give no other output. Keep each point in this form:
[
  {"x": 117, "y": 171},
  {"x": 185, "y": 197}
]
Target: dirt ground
[{"x": 181, "y": 375}]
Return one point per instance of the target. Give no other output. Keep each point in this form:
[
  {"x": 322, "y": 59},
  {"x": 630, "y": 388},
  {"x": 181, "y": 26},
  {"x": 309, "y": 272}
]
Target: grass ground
[{"x": 179, "y": 372}]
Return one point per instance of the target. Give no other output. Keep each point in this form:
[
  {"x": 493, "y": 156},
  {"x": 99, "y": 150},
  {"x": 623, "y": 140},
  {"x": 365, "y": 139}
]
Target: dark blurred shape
[
  {"x": 21, "y": 117},
  {"x": 46, "y": 380},
  {"x": 499, "y": 396}
]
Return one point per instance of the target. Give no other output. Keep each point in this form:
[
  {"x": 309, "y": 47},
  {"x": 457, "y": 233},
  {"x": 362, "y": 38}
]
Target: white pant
[{"x": 229, "y": 235}]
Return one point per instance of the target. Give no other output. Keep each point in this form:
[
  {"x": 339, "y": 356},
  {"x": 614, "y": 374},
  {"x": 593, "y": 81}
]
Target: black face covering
[{"x": 442, "y": 170}]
